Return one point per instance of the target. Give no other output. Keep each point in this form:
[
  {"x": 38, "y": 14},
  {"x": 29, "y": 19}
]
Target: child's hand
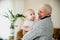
[
  {"x": 26, "y": 28},
  {"x": 29, "y": 28}
]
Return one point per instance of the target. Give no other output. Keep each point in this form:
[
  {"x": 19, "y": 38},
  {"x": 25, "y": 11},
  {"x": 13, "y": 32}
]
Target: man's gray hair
[{"x": 48, "y": 7}]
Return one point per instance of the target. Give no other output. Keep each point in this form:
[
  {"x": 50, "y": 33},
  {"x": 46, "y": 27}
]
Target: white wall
[
  {"x": 56, "y": 13},
  {"x": 4, "y": 23},
  {"x": 35, "y": 4},
  {"x": 18, "y": 6}
]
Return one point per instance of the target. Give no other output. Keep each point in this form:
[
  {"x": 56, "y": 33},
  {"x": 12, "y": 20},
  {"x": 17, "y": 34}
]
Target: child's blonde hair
[{"x": 31, "y": 10}]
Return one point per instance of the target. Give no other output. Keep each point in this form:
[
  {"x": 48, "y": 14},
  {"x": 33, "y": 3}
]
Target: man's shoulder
[{"x": 44, "y": 22}]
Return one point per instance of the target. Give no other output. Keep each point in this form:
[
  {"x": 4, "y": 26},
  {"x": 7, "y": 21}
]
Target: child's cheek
[{"x": 29, "y": 17}]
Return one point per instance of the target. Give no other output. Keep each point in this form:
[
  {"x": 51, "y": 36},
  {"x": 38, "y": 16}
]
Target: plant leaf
[
  {"x": 20, "y": 15},
  {"x": 11, "y": 13},
  {"x": 6, "y": 13},
  {"x": 6, "y": 16}
]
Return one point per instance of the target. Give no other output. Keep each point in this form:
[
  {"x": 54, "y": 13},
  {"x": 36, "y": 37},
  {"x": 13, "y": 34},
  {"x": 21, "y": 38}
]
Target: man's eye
[{"x": 41, "y": 12}]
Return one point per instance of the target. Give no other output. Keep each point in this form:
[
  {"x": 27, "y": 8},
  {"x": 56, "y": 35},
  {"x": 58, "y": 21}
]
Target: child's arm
[{"x": 26, "y": 29}]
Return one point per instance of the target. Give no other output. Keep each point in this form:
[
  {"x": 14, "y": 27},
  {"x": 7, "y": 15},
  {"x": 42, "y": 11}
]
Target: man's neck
[{"x": 44, "y": 17}]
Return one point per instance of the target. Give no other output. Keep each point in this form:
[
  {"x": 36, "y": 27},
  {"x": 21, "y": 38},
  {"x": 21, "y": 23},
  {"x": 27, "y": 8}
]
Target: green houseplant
[{"x": 12, "y": 19}]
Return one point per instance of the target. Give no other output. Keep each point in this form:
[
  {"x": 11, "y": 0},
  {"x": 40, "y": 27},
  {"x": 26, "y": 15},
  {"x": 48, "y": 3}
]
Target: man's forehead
[{"x": 42, "y": 9}]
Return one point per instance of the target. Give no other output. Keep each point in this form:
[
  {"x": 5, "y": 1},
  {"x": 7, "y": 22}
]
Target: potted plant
[{"x": 12, "y": 19}]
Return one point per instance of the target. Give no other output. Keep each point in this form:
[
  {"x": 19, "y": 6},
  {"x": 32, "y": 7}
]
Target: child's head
[{"x": 30, "y": 15}]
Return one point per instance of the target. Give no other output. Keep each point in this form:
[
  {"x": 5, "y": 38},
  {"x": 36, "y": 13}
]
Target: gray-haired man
[{"x": 43, "y": 28}]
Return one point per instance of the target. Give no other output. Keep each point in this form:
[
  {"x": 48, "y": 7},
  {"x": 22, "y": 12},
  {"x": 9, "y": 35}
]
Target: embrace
[{"x": 39, "y": 27}]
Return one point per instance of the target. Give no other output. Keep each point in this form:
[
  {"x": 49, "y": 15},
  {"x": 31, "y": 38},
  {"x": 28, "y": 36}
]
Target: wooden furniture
[
  {"x": 19, "y": 35},
  {"x": 56, "y": 33}
]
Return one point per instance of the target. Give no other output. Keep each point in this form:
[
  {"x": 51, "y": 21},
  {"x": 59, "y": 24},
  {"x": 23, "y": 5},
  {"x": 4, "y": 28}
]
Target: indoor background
[{"x": 19, "y": 6}]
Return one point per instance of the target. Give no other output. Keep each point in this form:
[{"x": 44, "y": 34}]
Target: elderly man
[{"x": 43, "y": 28}]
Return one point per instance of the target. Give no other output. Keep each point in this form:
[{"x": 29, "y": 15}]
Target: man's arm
[{"x": 35, "y": 32}]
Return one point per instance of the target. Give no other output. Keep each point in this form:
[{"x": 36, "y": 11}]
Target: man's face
[
  {"x": 42, "y": 13},
  {"x": 31, "y": 15}
]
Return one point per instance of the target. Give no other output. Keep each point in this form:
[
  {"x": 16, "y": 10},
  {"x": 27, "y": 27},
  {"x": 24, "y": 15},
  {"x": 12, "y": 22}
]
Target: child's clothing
[
  {"x": 27, "y": 26},
  {"x": 28, "y": 23}
]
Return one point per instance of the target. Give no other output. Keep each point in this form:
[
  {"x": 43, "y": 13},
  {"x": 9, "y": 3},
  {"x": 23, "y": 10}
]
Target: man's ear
[{"x": 49, "y": 14}]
